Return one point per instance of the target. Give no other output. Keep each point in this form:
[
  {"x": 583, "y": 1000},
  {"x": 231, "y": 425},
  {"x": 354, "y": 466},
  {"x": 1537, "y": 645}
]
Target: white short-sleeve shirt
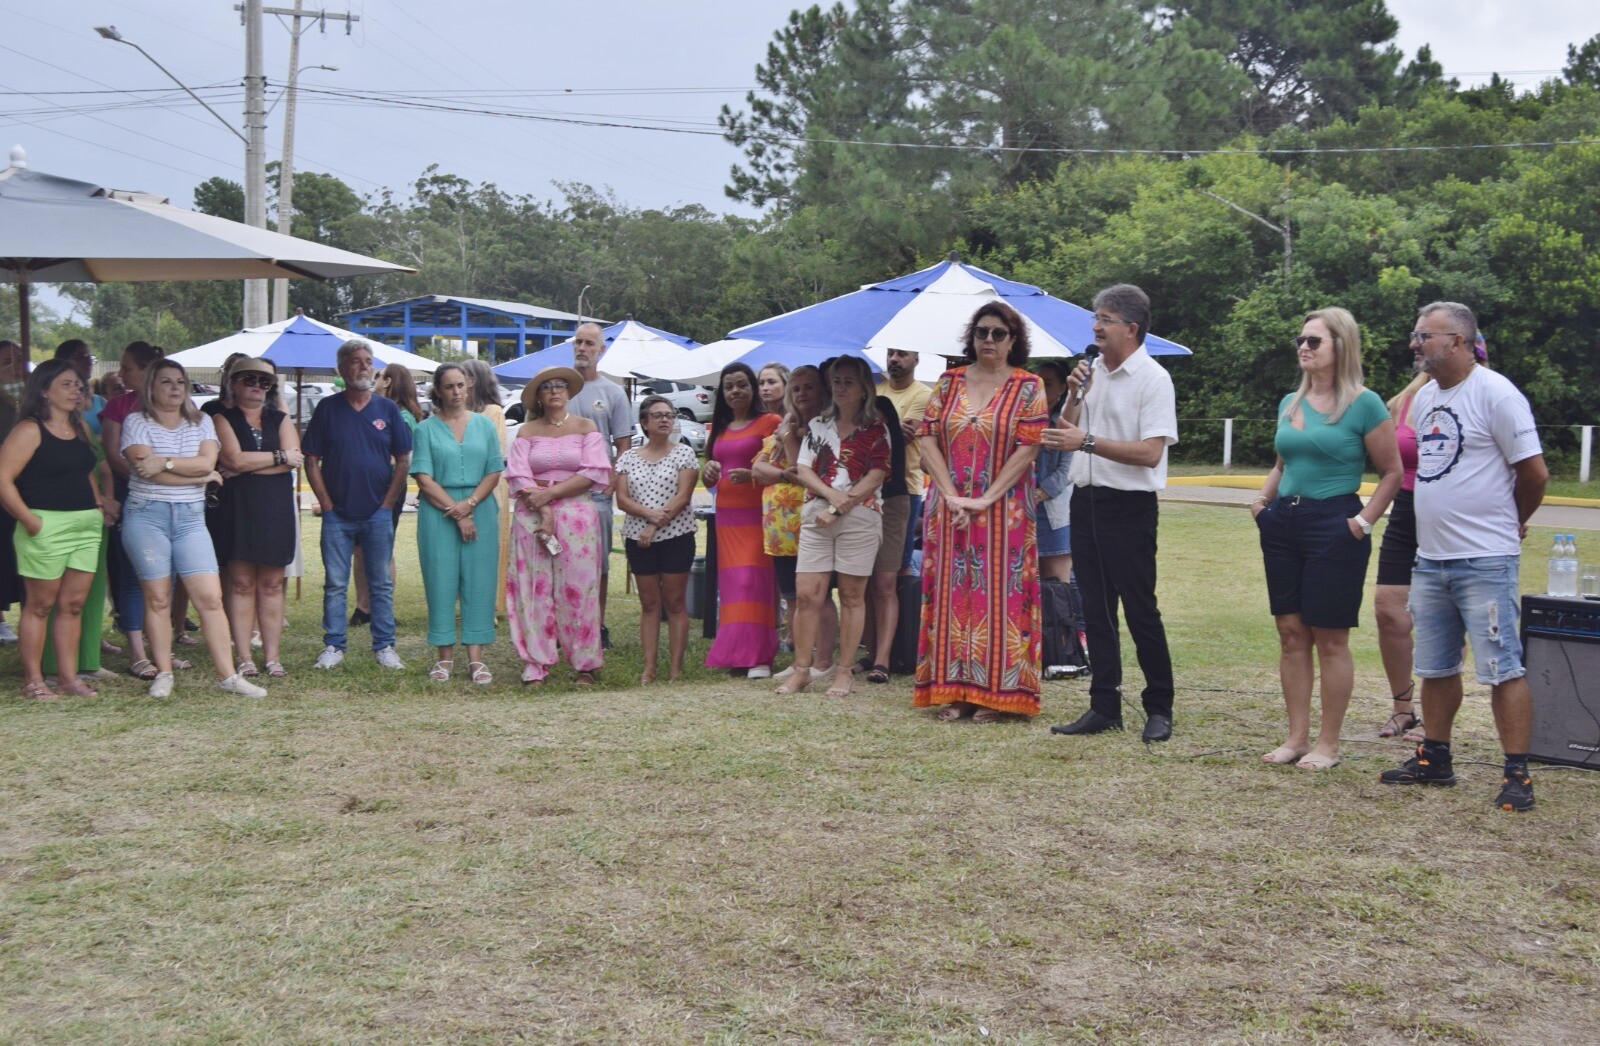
[
  {"x": 1134, "y": 402},
  {"x": 1469, "y": 437}
]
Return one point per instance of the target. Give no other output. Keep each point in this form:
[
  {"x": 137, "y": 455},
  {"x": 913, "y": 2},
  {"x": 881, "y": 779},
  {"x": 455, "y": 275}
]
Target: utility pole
[
  {"x": 255, "y": 152},
  {"x": 280, "y": 292}
]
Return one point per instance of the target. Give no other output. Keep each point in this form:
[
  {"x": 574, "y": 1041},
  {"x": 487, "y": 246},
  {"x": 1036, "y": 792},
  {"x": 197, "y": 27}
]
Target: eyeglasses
[
  {"x": 660, "y": 415},
  {"x": 260, "y": 381},
  {"x": 1311, "y": 341},
  {"x": 553, "y": 385},
  {"x": 983, "y": 334},
  {"x": 1423, "y": 336},
  {"x": 1102, "y": 318}
]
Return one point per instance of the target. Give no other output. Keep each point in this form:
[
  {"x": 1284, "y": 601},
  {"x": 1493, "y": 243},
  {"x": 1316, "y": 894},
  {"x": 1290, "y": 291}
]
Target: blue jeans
[
  {"x": 163, "y": 538},
  {"x": 340, "y": 536},
  {"x": 1475, "y": 598}
]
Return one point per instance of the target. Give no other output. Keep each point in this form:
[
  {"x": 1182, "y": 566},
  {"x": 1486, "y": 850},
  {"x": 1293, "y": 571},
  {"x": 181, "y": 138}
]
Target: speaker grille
[{"x": 1564, "y": 677}]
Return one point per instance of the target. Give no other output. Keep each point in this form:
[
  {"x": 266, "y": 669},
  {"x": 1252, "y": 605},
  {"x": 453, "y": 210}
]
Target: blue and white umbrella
[
  {"x": 703, "y": 366},
  {"x": 927, "y": 311},
  {"x": 296, "y": 343},
  {"x": 631, "y": 349}
]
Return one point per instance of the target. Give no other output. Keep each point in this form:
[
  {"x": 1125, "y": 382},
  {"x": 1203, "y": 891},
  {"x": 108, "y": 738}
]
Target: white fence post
[
  {"x": 1227, "y": 444},
  {"x": 1588, "y": 447}
]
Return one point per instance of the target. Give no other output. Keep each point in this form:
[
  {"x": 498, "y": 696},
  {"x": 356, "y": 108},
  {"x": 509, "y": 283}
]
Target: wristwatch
[
  {"x": 833, "y": 510},
  {"x": 1366, "y": 528},
  {"x": 1088, "y": 444},
  {"x": 168, "y": 466}
]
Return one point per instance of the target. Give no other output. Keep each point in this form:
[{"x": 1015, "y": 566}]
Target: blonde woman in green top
[{"x": 1316, "y": 536}]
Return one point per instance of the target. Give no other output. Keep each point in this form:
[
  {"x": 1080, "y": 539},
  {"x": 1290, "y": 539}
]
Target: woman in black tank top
[{"x": 48, "y": 483}]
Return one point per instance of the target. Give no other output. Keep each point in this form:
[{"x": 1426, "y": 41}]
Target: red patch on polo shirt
[{"x": 380, "y": 424}]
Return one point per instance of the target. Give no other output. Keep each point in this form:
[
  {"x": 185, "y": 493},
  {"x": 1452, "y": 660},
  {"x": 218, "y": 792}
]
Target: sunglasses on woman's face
[
  {"x": 991, "y": 333},
  {"x": 1309, "y": 341},
  {"x": 260, "y": 381}
]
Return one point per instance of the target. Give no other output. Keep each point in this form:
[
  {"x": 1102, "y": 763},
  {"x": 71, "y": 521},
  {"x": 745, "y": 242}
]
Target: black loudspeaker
[{"x": 1561, "y": 651}]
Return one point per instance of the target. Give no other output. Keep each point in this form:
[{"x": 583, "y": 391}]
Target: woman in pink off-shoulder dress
[{"x": 553, "y": 576}]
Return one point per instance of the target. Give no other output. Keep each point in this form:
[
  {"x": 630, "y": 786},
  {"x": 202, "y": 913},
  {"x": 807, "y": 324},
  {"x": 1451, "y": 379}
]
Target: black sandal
[
  {"x": 878, "y": 674},
  {"x": 863, "y": 664}
]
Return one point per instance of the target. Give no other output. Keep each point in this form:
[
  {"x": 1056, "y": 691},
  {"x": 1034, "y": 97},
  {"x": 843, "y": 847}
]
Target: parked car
[
  {"x": 690, "y": 401},
  {"x": 692, "y": 434}
]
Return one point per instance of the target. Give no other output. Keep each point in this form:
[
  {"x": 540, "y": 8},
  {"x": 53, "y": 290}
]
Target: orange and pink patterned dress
[{"x": 980, "y": 583}]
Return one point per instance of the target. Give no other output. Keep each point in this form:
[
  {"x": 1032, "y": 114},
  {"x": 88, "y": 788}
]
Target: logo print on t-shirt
[
  {"x": 380, "y": 424},
  {"x": 1439, "y": 442}
]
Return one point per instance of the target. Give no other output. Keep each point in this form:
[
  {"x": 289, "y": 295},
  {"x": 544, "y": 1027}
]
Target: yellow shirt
[{"x": 910, "y": 402}]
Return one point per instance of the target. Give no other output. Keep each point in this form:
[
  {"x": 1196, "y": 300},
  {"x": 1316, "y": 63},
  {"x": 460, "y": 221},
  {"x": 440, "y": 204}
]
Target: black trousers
[{"x": 1114, "y": 560}]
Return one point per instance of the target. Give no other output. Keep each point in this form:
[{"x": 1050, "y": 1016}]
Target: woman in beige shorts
[{"x": 843, "y": 460}]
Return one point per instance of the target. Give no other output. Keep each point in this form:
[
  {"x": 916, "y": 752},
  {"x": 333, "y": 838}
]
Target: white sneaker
[
  {"x": 388, "y": 658},
  {"x": 8, "y": 635},
  {"x": 331, "y": 657},
  {"x": 239, "y": 686},
  {"x": 759, "y": 672},
  {"x": 161, "y": 685}
]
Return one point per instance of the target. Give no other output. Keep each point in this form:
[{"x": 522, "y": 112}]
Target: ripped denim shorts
[{"x": 1473, "y": 599}]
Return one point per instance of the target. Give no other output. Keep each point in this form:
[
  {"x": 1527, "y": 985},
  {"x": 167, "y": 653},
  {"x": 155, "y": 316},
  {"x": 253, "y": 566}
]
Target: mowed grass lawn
[{"x": 367, "y": 856}]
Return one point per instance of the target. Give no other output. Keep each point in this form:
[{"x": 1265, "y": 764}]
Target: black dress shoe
[
  {"x": 1091, "y": 722},
  {"x": 1157, "y": 728},
  {"x": 360, "y": 617}
]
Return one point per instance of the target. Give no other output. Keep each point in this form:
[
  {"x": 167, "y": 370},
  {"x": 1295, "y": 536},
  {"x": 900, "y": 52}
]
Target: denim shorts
[
  {"x": 1472, "y": 598},
  {"x": 166, "y": 537}
]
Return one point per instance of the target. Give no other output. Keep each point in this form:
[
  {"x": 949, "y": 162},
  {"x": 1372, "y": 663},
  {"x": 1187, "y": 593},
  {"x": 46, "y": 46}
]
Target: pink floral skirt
[{"x": 551, "y": 600}]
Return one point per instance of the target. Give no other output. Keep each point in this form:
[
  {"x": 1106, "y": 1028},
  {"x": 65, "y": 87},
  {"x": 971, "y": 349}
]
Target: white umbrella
[
  {"x": 703, "y": 366},
  {"x": 926, "y": 311},
  {"x": 256, "y": 341},
  {"x": 56, "y": 229},
  {"x": 631, "y": 348}
]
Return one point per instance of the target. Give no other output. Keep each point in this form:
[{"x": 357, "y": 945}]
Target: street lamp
[
  {"x": 109, "y": 32},
  {"x": 255, "y": 187}
]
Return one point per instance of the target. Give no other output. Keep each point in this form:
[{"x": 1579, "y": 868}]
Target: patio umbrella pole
[
  {"x": 23, "y": 324},
  {"x": 299, "y": 405}
]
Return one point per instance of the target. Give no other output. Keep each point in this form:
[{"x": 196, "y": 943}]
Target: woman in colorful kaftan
[{"x": 978, "y": 654}]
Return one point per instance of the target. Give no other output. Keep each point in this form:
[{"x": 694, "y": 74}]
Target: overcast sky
[{"x": 659, "y": 61}]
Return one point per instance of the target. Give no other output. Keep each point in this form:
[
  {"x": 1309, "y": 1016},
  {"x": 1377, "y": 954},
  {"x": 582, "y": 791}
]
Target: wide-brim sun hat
[
  {"x": 251, "y": 365},
  {"x": 530, "y": 391}
]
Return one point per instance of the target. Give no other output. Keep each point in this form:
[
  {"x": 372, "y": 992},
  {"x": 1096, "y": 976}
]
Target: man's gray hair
[
  {"x": 1129, "y": 302},
  {"x": 1461, "y": 317},
  {"x": 349, "y": 349}
]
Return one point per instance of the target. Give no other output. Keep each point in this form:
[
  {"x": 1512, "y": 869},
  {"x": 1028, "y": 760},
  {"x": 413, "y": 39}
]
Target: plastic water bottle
[
  {"x": 1555, "y": 566},
  {"x": 1571, "y": 573}
]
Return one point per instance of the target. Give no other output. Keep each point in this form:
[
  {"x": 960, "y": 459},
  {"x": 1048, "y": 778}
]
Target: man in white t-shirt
[
  {"x": 1480, "y": 476},
  {"x": 1122, "y": 415},
  {"x": 605, "y": 403}
]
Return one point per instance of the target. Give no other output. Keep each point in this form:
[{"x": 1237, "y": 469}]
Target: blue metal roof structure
[{"x": 506, "y": 329}]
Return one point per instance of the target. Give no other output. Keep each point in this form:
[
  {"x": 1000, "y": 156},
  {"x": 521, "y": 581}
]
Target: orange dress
[
  {"x": 980, "y": 583},
  {"x": 747, "y": 588}
]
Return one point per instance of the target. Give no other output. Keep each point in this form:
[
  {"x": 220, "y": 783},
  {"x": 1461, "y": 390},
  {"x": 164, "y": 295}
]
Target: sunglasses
[
  {"x": 991, "y": 333},
  {"x": 260, "y": 381},
  {"x": 1312, "y": 341}
]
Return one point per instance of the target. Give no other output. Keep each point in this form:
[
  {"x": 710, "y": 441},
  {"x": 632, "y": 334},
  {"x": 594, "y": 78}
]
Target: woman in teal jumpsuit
[{"x": 456, "y": 460}]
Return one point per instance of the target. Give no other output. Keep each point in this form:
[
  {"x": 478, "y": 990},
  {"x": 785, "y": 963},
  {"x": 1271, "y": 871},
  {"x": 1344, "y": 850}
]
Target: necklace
[
  {"x": 558, "y": 424},
  {"x": 1455, "y": 390}
]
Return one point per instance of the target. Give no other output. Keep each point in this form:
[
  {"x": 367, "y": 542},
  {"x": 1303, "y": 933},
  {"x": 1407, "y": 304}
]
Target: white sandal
[
  {"x": 480, "y": 673},
  {"x": 440, "y": 672},
  {"x": 247, "y": 669}
]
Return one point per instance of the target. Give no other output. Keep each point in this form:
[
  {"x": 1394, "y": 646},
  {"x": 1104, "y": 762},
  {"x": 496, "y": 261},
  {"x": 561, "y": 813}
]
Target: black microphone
[{"x": 1091, "y": 352}]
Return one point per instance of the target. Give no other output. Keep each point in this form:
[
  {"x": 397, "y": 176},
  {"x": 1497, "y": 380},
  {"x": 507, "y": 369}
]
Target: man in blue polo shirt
[{"x": 358, "y": 451}]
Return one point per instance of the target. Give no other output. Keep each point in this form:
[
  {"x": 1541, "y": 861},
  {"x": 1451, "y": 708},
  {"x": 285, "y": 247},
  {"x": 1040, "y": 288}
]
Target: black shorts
[
  {"x": 1315, "y": 568},
  {"x": 1398, "y": 553},
  {"x": 672, "y": 556},
  {"x": 783, "y": 567}
]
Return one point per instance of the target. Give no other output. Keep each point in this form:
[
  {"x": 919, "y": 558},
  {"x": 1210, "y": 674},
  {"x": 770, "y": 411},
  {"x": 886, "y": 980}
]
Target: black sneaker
[
  {"x": 1419, "y": 771},
  {"x": 1516, "y": 793}
]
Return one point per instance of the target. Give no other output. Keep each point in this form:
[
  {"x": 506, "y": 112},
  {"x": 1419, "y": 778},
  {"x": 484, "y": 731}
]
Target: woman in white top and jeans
[{"x": 171, "y": 450}]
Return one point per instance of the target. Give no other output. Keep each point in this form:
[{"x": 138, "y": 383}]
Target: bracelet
[
  {"x": 472, "y": 502},
  {"x": 1261, "y": 499}
]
